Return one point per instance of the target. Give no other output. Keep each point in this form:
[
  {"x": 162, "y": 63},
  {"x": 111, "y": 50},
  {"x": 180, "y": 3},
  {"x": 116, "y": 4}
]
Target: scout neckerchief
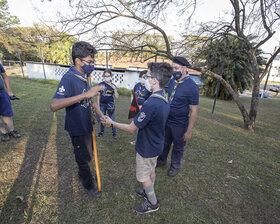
[
  {"x": 141, "y": 90},
  {"x": 162, "y": 96},
  {"x": 84, "y": 79},
  {"x": 177, "y": 83}
]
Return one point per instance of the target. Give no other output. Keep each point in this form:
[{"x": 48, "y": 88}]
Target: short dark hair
[
  {"x": 107, "y": 71},
  {"x": 162, "y": 71},
  {"x": 144, "y": 72},
  {"x": 82, "y": 49}
]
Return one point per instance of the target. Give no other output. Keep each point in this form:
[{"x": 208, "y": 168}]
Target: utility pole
[{"x": 268, "y": 74}]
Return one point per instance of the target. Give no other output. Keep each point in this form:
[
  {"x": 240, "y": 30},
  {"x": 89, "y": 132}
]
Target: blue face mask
[
  {"x": 177, "y": 75},
  {"x": 88, "y": 69}
]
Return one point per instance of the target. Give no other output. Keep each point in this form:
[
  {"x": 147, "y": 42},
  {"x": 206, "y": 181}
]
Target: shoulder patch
[
  {"x": 141, "y": 117},
  {"x": 61, "y": 90}
]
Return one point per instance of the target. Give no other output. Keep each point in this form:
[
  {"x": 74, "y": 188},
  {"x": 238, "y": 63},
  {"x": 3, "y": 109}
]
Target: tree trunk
[
  {"x": 256, "y": 90},
  {"x": 248, "y": 122}
]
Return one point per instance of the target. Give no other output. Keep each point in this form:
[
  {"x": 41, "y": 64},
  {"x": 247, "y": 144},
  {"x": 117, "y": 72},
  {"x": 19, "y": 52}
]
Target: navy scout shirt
[
  {"x": 141, "y": 93},
  {"x": 151, "y": 122},
  {"x": 107, "y": 94},
  {"x": 187, "y": 93},
  {"x": 77, "y": 118}
]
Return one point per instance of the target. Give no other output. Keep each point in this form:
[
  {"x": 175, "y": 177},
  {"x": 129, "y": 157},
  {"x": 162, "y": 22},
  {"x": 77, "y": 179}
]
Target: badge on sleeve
[
  {"x": 141, "y": 117},
  {"x": 61, "y": 90}
]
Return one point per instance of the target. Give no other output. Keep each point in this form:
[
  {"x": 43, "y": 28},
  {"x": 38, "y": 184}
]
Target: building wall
[
  {"x": 121, "y": 78},
  {"x": 126, "y": 78}
]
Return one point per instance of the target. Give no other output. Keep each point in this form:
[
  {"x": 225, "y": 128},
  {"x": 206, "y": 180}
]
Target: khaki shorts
[{"x": 145, "y": 167}]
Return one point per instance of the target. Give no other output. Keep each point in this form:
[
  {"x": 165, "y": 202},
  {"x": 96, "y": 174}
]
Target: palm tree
[{"x": 227, "y": 57}]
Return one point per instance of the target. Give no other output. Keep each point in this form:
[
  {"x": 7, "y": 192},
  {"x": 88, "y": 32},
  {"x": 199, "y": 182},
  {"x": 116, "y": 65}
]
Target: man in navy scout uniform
[
  {"x": 183, "y": 96},
  {"x": 73, "y": 94},
  {"x": 6, "y": 110},
  {"x": 150, "y": 123}
]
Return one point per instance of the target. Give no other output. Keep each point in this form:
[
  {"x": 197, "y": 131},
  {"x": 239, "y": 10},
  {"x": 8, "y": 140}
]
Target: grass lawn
[{"x": 228, "y": 175}]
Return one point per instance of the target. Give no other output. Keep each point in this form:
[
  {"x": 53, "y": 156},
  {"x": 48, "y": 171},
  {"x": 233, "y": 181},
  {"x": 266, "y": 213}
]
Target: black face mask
[{"x": 177, "y": 75}]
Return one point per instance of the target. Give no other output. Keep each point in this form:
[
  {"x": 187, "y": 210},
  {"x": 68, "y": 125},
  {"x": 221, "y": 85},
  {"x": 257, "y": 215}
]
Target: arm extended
[{"x": 59, "y": 103}]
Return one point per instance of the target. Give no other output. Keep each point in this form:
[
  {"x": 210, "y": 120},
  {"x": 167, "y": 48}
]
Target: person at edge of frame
[
  {"x": 141, "y": 92},
  {"x": 183, "y": 96},
  {"x": 105, "y": 100},
  {"x": 73, "y": 94},
  {"x": 6, "y": 110},
  {"x": 150, "y": 123}
]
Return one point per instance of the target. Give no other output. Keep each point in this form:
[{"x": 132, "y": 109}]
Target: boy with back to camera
[{"x": 150, "y": 123}]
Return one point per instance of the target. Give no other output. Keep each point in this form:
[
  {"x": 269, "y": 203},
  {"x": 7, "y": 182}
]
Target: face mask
[
  {"x": 141, "y": 80},
  {"x": 107, "y": 79},
  {"x": 147, "y": 85},
  {"x": 177, "y": 75},
  {"x": 88, "y": 69}
]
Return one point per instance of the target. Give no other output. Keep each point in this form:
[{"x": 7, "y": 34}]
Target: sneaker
[
  {"x": 141, "y": 193},
  {"x": 114, "y": 136},
  {"x": 93, "y": 193},
  {"x": 172, "y": 172},
  {"x": 146, "y": 207},
  {"x": 100, "y": 134},
  {"x": 133, "y": 142},
  {"x": 15, "y": 134},
  {"x": 5, "y": 137}
]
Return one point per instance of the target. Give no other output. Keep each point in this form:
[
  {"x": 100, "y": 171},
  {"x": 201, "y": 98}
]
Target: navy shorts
[{"x": 5, "y": 104}]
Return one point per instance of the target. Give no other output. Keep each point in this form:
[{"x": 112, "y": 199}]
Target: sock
[
  {"x": 151, "y": 194},
  {"x": 153, "y": 179},
  {"x": 2, "y": 128},
  {"x": 9, "y": 122}
]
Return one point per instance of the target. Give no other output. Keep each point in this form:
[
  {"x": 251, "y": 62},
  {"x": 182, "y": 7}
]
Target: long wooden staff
[{"x": 94, "y": 140}]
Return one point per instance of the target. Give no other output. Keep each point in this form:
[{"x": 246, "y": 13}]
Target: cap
[{"x": 181, "y": 61}]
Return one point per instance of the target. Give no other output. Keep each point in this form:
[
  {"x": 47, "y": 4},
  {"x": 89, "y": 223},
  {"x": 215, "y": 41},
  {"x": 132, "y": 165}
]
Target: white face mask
[
  {"x": 147, "y": 85},
  {"x": 141, "y": 80},
  {"x": 107, "y": 79}
]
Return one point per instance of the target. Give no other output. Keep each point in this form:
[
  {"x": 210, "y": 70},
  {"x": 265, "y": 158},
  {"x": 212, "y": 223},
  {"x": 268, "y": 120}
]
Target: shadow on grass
[
  {"x": 66, "y": 175},
  {"x": 15, "y": 211}
]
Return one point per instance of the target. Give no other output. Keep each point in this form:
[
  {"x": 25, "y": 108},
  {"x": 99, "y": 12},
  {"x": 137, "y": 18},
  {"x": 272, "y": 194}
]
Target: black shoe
[
  {"x": 114, "y": 136},
  {"x": 160, "y": 164},
  {"x": 100, "y": 134},
  {"x": 146, "y": 207},
  {"x": 15, "y": 134},
  {"x": 172, "y": 172},
  {"x": 93, "y": 193},
  {"x": 5, "y": 137},
  {"x": 141, "y": 193}
]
